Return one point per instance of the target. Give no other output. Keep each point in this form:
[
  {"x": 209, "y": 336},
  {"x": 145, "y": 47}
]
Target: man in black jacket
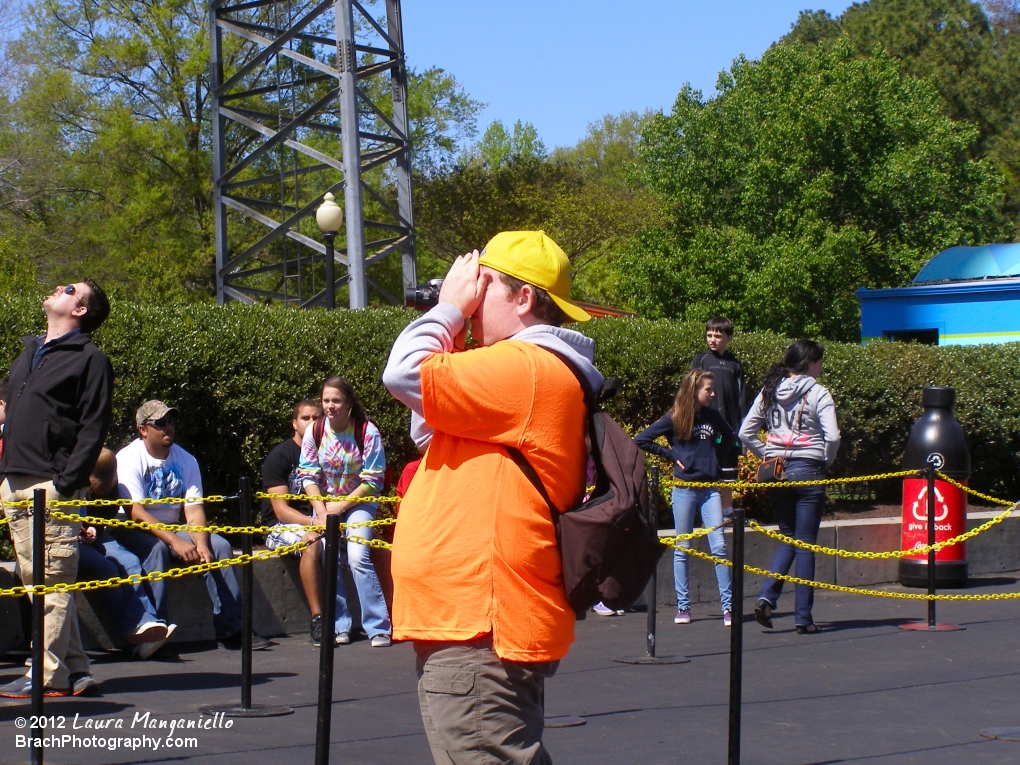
[{"x": 58, "y": 414}]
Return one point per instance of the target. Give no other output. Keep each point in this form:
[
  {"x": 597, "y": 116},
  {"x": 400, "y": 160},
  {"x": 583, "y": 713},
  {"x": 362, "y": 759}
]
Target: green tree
[
  {"x": 17, "y": 269},
  {"x": 443, "y": 117},
  {"x": 584, "y": 196},
  {"x": 498, "y": 146},
  {"x": 813, "y": 172},
  {"x": 973, "y": 59},
  {"x": 609, "y": 149}
]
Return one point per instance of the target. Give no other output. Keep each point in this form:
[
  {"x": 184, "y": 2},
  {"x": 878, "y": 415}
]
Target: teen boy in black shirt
[
  {"x": 279, "y": 476},
  {"x": 279, "y": 471},
  {"x": 730, "y": 396}
]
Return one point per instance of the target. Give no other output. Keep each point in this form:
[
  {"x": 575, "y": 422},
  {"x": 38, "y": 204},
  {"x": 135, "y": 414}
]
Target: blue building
[{"x": 963, "y": 296}]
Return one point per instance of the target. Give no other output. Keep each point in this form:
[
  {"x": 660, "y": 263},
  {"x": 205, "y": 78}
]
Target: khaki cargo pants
[
  {"x": 479, "y": 709},
  {"x": 62, "y": 651}
]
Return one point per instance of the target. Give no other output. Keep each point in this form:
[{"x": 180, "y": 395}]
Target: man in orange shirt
[{"x": 478, "y": 583}]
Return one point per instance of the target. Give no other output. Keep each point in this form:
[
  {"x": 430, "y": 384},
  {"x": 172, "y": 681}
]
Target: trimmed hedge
[{"x": 235, "y": 372}]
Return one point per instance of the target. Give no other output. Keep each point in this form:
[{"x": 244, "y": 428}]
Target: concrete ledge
[{"x": 998, "y": 549}]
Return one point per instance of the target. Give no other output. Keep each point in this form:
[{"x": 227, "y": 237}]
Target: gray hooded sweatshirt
[
  {"x": 801, "y": 425},
  {"x": 434, "y": 333}
]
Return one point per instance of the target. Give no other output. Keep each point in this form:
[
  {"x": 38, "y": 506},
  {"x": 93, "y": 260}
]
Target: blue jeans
[
  {"x": 375, "y": 617},
  {"x": 685, "y": 502},
  {"x": 798, "y": 512},
  {"x": 106, "y": 558},
  {"x": 221, "y": 584}
]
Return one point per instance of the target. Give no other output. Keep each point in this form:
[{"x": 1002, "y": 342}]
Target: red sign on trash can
[{"x": 950, "y": 518}]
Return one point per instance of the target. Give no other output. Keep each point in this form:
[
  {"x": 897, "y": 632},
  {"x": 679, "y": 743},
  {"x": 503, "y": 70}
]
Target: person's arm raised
[{"x": 440, "y": 330}]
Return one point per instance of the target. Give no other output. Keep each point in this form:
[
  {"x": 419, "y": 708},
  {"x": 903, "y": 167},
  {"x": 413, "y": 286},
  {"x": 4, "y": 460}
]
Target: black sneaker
[
  {"x": 233, "y": 642},
  {"x": 315, "y": 631}
]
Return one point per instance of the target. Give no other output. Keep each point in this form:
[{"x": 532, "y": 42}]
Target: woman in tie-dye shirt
[{"x": 343, "y": 457}]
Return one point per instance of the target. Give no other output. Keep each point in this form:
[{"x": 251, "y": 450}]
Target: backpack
[
  {"x": 360, "y": 432},
  {"x": 608, "y": 544}
]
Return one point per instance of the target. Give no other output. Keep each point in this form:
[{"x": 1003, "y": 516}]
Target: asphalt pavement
[{"x": 861, "y": 691}]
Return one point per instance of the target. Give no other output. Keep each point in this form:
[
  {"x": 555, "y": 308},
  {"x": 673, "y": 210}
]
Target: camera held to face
[{"x": 422, "y": 297}]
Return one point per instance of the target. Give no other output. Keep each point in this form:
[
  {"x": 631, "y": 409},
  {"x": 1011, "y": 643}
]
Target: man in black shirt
[
  {"x": 280, "y": 476},
  {"x": 58, "y": 414}
]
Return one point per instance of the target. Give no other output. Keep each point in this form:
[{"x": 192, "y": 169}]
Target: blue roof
[{"x": 990, "y": 261}]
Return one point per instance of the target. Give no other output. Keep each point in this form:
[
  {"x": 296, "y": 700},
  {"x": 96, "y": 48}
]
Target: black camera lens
[{"x": 422, "y": 297}]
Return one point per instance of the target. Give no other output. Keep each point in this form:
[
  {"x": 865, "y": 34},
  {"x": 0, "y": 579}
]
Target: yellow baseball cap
[{"x": 533, "y": 257}]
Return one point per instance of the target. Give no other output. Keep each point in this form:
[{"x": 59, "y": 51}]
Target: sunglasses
[
  {"x": 161, "y": 423},
  {"x": 69, "y": 290}
]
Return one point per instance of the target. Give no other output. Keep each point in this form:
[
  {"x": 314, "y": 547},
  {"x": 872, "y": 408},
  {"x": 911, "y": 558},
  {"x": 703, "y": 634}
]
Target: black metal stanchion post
[
  {"x": 325, "y": 712},
  {"x": 246, "y": 709},
  {"x": 931, "y": 542},
  {"x": 931, "y": 625},
  {"x": 38, "y": 626},
  {"x": 651, "y": 593},
  {"x": 653, "y": 584},
  {"x": 246, "y": 594},
  {"x": 736, "y": 636}
]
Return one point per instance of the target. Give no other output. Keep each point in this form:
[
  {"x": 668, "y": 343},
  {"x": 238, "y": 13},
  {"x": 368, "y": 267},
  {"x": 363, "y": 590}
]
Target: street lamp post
[{"x": 329, "y": 217}]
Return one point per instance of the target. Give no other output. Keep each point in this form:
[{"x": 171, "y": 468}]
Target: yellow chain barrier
[
  {"x": 986, "y": 497},
  {"x": 324, "y": 498},
  {"x": 787, "y": 484},
  {"x": 673, "y": 542},
  {"x": 213, "y": 528},
  {"x": 174, "y": 573},
  {"x": 919, "y": 550},
  {"x": 693, "y": 535},
  {"x": 841, "y": 588},
  {"x": 211, "y": 499}
]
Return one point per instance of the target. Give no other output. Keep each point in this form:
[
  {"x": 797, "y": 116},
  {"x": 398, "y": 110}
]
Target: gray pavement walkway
[{"x": 862, "y": 691}]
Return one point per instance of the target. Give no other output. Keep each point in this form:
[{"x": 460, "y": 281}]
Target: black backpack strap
[
  {"x": 594, "y": 431},
  {"x": 318, "y": 431},
  {"x": 522, "y": 462},
  {"x": 592, "y": 397}
]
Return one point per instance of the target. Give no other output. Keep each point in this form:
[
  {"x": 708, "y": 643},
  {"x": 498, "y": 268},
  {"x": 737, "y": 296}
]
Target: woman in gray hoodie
[{"x": 800, "y": 417}]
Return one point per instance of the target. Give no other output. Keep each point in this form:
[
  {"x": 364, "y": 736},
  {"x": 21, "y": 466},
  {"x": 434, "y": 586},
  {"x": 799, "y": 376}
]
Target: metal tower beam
[{"x": 309, "y": 96}]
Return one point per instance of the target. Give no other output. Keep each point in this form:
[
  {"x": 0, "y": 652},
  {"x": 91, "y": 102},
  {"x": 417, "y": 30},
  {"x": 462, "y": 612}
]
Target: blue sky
[{"x": 563, "y": 64}]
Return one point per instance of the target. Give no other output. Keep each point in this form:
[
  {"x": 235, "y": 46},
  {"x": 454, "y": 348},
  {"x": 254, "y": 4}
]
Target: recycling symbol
[{"x": 941, "y": 508}]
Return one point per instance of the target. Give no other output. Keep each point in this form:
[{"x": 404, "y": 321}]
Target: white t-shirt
[{"x": 142, "y": 476}]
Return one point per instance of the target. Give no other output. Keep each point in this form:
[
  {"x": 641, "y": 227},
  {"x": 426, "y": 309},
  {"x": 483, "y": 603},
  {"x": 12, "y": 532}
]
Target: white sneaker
[
  {"x": 149, "y": 632},
  {"x": 343, "y": 638},
  {"x": 727, "y": 618},
  {"x": 603, "y": 610},
  {"x": 147, "y": 650},
  {"x": 683, "y": 616},
  {"x": 381, "y": 641}
]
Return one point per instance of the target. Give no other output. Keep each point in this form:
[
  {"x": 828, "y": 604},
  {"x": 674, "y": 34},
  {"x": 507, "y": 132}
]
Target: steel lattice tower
[{"x": 295, "y": 84}]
